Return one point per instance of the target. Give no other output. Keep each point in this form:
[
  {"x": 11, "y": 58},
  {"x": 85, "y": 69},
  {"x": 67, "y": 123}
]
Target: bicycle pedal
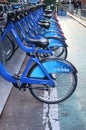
[{"x": 24, "y": 86}]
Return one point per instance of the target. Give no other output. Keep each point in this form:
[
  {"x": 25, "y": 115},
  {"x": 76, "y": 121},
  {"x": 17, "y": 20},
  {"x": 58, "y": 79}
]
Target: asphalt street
[{"x": 73, "y": 111}]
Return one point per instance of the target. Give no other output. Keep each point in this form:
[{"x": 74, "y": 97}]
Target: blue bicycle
[
  {"x": 57, "y": 46},
  {"x": 50, "y": 80}
]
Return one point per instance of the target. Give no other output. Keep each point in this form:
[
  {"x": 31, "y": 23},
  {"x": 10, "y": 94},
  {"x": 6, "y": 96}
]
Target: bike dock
[{"x": 23, "y": 112}]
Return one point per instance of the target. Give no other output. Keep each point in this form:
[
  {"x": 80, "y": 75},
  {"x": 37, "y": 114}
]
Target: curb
[
  {"x": 80, "y": 20},
  {"x": 12, "y": 66}
]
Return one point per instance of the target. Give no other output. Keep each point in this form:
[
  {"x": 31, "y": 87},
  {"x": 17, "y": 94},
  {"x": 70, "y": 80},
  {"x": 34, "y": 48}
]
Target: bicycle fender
[
  {"x": 57, "y": 39},
  {"x": 51, "y": 65},
  {"x": 55, "y": 42}
]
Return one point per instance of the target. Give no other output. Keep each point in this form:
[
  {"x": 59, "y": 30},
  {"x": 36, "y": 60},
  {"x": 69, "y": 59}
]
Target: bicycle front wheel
[{"x": 65, "y": 84}]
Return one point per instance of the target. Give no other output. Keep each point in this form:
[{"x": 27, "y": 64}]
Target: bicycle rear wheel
[
  {"x": 8, "y": 48},
  {"x": 11, "y": 38},
  {"x": 65, "y": 84},
  {"x": 60, "y": 52}
]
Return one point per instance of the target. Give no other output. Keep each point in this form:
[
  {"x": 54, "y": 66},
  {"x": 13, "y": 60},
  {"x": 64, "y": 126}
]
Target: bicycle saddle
[
  {"x": 25, "y": 12},
  {"x": 45, "y": 25},
  {"x": 17, "y": 17},
  {"x": 44, "y": 21},
  {"x": 11, "y": 17},
  {"x": 22, "y": 14},
  {"x": 47, "y": 15},
  {"x": 48, "y": 11},
  {"x": 43, "y": 43}
]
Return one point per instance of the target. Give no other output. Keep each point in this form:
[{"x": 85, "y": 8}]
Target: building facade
[{"x": 83, "y": 2}]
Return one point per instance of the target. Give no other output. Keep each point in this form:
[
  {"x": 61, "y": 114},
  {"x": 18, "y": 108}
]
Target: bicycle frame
[
  {"x": 33, "y": 20},
  {"x": 26, "y": 24},
  {"x": 36, "y": 78},
  {"x": 62, "y": 66},
  {"x": 11, "y": 28},
  {"x": 55, "y": 41},
  {"x": 36, "y": 28},
  {"x": 40, "y": 76},
  {"x": 23, "y": 79}
]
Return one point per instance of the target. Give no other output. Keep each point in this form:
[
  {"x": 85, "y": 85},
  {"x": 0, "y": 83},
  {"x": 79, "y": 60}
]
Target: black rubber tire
[
  {"x": 60, "y": 52},
  {"x": 10, "y": 37},
  {"x": 66, "y": 84},
  {"x": 8, "y": 48}
]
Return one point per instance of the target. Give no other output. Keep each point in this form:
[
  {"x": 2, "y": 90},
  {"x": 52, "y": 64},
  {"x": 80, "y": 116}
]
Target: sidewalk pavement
[
  {"x": 75, "y": 107},
  {"x": 78, "y": 17},
  {"x": 12, "y": 66}
]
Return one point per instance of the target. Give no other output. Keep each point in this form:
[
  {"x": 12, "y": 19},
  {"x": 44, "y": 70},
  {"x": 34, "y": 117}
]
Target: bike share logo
[{"x": 62, "y": 69}]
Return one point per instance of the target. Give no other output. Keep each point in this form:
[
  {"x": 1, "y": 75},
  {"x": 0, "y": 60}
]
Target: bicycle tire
[
  {"x": 60, "y": 52},
  {"x": 10, "y": 37},
  {"x": 67, "y": 83},
  {"x": 8, "y": 48}
]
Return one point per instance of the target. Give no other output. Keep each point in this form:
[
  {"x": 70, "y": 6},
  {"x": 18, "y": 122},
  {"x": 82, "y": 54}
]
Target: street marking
[{"x": 50, "y": 115}]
